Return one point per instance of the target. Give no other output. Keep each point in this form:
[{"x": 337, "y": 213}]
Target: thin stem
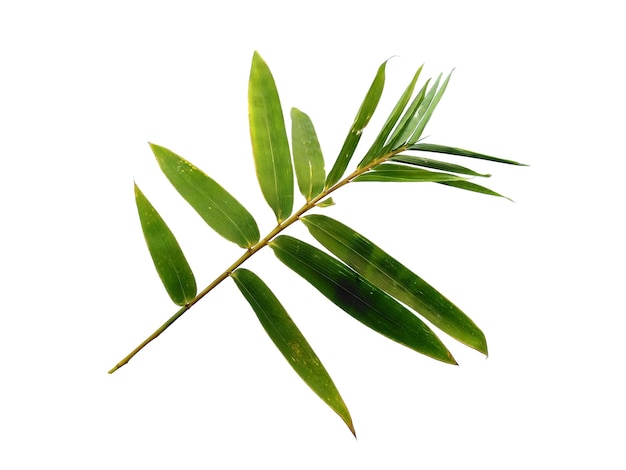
[{"x": 278, "y": 229}]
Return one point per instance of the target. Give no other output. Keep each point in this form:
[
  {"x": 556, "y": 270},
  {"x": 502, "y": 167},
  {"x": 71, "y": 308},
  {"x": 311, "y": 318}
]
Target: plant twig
[{"x": 277, "y": 230}]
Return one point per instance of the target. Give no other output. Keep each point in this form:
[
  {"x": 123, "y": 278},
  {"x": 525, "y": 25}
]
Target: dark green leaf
[
  {"x": 376, "y": 149},
  {"x": 460, "y": 152},
  {"x": 307, "y": 155},
  {"x": 290, "y": 341},
  {"x": 359, "y": 297},
  {"x": 391, "y": 276},
  {"x": 435, "y": 165},
  {"x": 167, "y": 256},
  {"x": 214, "y": 204},
  {"x": 469, "y": 186},
  {"x": 360, "y": 122},
  {"x": 269, "y": 140},
  {"x": 390, "y": 172}
]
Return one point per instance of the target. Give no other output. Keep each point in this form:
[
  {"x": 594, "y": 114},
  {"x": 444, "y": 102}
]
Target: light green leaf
[
  {"x": 435, "y": 165},
  {"x": 269, "y": 140},
  {"x": 390, "y": 172},
  {"x": 359, "y": 297},
  {"x": 360, "y": 122},
  {"x": 469, "y": 186},
  {"x": 411, "y": 117},
  {"x": 460, "y": 152},
  {"x": 376, "y": 150},
  {"x": 290, "y": 341},
  {"x": 391, "y": 276},
  {"x": 425, "y": 116},
  {"x": 326, "y": 202},
  {"x": 168, "y": 258},
  {"x": 307, "y": 155},
  {"x": 214, "y": 204}
]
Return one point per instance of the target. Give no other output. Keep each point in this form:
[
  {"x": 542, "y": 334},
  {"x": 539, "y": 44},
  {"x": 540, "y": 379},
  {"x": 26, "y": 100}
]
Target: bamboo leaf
[
  {"x": 307, "y": 155},
  {"x": 460, "y": 152},
  {"x": 394, "y": 278},
  {"x": 469, "y": 186},
  {"x": 269, "y": 140},
  {"x": 426, "y": 115},
  {"x": 390, "y": 172},
  {"x": 411, "y": 116},
  {"x": 436, "y": 165},
  {"x": 376, "y": 149},
  {"x": 360, "y": 122},
  {"x": 168, "y": 258},
  {"x": 359, "y": 297},
  {"x": 221, "y": 211},
  {"x": 290, "y": 341}
]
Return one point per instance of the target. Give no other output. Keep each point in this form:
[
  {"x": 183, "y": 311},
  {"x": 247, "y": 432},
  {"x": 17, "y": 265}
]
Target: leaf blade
[
  {"x": 436, "y": 165},
  {"x": 477, "y": 188},
  {"x": 290, "y": 342},
  {"x": 394, "y": 278},
  {"x": 219, "y": 209},
  {"x": 378, "y": 145},
  {"x": 426, "y": 115},
  {"x": 359, "y": 298},
  {"x": 390, "y": 172},
  {"x": 307, "y": 155},
  {"x": 363, "y": 116},
  {"x": 270, "y": 146},
  {"x": 167, "y": 256},
  {"x": 460, "y": 152}
]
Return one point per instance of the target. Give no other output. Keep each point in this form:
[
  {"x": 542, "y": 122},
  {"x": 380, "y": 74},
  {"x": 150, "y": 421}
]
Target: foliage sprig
[{"x": 354, "y": 273}]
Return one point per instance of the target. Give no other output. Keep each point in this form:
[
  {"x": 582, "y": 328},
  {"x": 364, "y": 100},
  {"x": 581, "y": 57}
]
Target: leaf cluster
[{"x": 352, "y": 272}]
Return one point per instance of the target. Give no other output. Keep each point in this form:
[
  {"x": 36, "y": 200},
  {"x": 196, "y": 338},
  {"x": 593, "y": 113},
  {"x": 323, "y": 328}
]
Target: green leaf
[
  {"x": 376, "y": 150},
  {"x": 168, "y": 258},
  {"x": 394, "y": 278},
  {"x": 411, "y": 117},
  {"x": 425, "y": 116},
  {"x": 269, "y": 140},
  {"x": 214, "y": 204},
  {"x": 460, "y": 152},
  {"x": 326, "y": 202},
  {"x": 359, "y": 297},
  {"x": 469, "y": 186},
  {"x": 307, "y": 155},
  {"x": 290, "y": 341},
  {"x": 390, "y": 172},
  {"x": 360, "y": 122},
  {"x": 436, "y": 165}
]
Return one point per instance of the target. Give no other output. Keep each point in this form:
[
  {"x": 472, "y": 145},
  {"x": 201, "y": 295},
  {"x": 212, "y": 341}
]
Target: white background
[{"x": 84, "y": 86}]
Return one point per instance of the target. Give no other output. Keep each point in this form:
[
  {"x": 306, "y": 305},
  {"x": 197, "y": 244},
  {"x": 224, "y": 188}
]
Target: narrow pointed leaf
[
  {"x": 376, "y": 150},
  {"x": 389, "y": 172},
  {"x": 412, "y": 115},
  {"x": 460, "y": 152},
  {"x": 391, "y": 276},
  {"x": 425, "y": 117},
  {"x": 469, "y": 186},
  {"x": 290, "y": 341},
  {"x": 168, "y": 258},
  {"x": 307, "y": 155},
  {"x": 360, "y": 122},
  {"x": 269, "y": 140},
  {"x": 221, "y": 211},
  {"x": 436, "y": 165},
  {"x": 359, "y": 297}
]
